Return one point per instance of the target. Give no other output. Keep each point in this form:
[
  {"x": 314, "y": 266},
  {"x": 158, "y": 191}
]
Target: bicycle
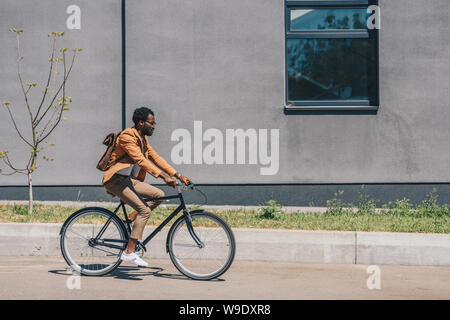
[{"x": 200, "y": 244}]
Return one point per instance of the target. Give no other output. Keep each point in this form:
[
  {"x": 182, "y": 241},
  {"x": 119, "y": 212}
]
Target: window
[{"x": 331, "y": 56}]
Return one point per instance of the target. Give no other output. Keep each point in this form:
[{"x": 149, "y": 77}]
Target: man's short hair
[{"x": 141, "y": 114}]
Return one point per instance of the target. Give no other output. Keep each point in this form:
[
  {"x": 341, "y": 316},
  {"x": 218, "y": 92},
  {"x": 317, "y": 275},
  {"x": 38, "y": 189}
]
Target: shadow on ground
[{"x": 135, "y": 273}]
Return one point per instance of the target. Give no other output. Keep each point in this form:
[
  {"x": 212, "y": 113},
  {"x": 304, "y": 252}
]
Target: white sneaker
[{"x": 133, "y": 258}]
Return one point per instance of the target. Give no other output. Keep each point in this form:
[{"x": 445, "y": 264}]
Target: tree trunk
[{"x": 30, "y": 194}]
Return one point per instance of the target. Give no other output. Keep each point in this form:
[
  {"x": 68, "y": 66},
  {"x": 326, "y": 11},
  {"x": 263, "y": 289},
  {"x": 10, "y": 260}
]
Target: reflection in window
[
  {"x": 331, "y": 69},
  {"x": 328, "y": 19},
  {"x": 331, "y": 56}
]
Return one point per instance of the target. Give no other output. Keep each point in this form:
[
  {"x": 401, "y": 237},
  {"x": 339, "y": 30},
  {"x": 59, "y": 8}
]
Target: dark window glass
[
  {"x": 328, "y": 19},
  {"x": 331, "y": 69}
]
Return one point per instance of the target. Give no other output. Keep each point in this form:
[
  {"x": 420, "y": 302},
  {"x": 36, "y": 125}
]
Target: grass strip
[{"x": 394, "y": 219}]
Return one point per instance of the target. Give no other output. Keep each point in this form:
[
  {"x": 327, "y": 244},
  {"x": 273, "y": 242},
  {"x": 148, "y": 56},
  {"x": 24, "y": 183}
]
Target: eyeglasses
[{"x": 151, "y": 123}]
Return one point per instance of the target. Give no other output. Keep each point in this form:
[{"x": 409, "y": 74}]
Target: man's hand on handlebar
[
  {"x": 169, "y": 180},
  {"x": 183, "y": 179},
  {"x": 172, "y": 182}
]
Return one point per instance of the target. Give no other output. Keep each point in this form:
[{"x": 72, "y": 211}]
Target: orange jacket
[{"x": 128, "y": 142}]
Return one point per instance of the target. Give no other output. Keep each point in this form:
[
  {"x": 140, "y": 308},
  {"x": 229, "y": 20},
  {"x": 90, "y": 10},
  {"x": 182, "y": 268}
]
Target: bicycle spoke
[
  {"x": 73, "y": 231},
  {"x": 111, "y": 253},
  {"x": 186, "y": 245}
]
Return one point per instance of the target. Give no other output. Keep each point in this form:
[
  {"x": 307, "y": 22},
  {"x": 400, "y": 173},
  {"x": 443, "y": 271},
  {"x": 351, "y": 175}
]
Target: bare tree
[{"x": 46, "y": 115}]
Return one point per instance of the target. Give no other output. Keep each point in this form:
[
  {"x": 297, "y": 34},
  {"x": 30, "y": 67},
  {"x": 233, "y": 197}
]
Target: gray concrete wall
[
  {"x": 222, "y": 63},
  {"x": 94, "y": 85}
]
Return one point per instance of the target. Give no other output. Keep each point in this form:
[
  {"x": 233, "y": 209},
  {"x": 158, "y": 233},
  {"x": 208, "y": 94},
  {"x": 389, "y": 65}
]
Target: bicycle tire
[
  {"x": 179, "y": 237},
  {"x": 79, "y": 250}
]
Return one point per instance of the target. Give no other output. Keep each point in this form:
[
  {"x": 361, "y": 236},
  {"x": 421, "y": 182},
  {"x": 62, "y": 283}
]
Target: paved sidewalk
[{"x": 46, "y": 278}]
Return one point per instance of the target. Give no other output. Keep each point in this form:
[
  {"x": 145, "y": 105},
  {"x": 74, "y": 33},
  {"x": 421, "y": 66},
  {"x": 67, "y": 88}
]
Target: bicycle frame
[{"x": 181, "y": 207}]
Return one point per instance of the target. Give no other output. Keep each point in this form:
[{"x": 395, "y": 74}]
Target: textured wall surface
[
  {"x": 222, "y": 63},
  {"x": 94, "y": 85}
]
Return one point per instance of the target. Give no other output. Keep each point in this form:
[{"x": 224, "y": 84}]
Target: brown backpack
[{"x": 105, "y": 162}]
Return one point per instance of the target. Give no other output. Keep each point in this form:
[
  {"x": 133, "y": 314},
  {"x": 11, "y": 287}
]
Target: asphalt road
[{"x": 46, "y": 278}]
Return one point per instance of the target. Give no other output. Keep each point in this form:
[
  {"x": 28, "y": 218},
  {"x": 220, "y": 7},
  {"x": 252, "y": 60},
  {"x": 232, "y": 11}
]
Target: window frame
[{"x": 338, "y": 105}]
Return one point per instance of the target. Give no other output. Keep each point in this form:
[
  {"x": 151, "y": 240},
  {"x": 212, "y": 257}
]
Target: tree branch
[
  {"x": 63, "y": 101},
  {"x": 52, "y": 97},
  {"x": 48, "y": 108},
  {"x": 61, "y": 86},
  {"x": 10, "y": 174},
  {"x": 6, "y": 160},
  {"x": 48, "y": 80},
  {"x": 15, "y": 126},
  {"x": 31, "y": 158},
  {"x": 19, "y": 58}
]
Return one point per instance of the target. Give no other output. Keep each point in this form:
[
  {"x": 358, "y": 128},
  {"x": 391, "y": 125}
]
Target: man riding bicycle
[{"x": 133, "y": 157}]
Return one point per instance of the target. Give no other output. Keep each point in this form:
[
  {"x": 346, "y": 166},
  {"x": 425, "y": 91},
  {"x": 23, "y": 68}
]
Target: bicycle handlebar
[{"x": 191, "y": 186}]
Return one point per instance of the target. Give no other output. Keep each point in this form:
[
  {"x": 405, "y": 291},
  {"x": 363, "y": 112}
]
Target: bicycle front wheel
[
  {"x": 92, "y": 240},
  {"x": 209, "y": 260}
]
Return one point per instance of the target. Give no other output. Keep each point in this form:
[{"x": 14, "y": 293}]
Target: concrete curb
[
  {"x": 42, "y": 239},
  {"x": 403, "y": 248}
]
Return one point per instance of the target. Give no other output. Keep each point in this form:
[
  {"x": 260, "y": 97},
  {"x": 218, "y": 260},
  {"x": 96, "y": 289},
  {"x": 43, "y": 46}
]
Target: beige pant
[{"x": 126, "y": 188}]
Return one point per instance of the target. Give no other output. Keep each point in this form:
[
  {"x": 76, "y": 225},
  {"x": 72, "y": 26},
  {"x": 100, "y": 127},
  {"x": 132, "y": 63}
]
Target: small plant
[
  {"x": 366, "y": 206},
  {"x": 445, "y": 210},
  {"x": 335, "y": 206},
  {"x": 270, "y": 210},
  {"x": 429, "y": 206},
  {"x": 401, "y": 207},
  {"x": 20, "y": 210}
]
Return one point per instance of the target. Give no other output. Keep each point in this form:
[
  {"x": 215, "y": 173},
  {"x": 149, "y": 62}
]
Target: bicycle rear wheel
[
  {"x": 208, "y": 261},
  {"x": 92, "y": 240}
]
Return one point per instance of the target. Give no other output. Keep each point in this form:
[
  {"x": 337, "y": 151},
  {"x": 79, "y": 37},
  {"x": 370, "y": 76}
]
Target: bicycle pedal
[{"x": 140, "y": 246}]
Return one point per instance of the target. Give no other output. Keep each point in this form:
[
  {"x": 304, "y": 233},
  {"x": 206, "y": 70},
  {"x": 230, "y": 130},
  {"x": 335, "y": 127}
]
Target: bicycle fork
[
  {"x": 190, "y": 228},
  {"x": 188, "y": 218}
]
